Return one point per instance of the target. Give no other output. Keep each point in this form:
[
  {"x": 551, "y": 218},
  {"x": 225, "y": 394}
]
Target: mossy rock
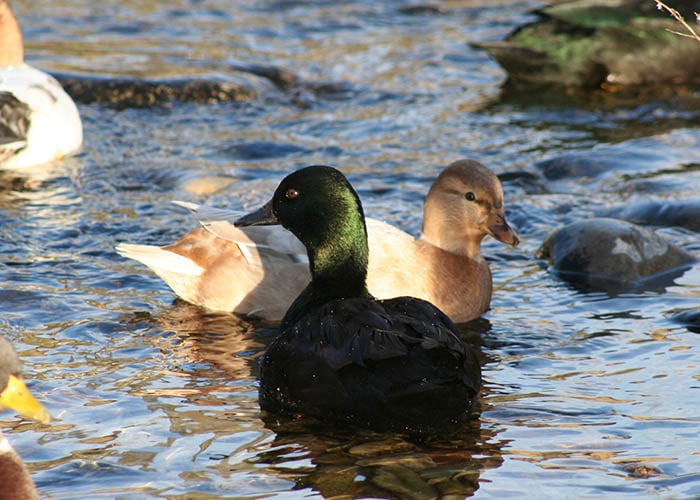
[{"x": 593, "y": 43}]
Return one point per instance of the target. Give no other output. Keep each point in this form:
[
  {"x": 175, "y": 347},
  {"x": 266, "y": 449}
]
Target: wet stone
[
  {"x": 122, "y": 93},
  {"x": 420, "y": 9},
  {"x": 642, "y": 471},
  {"x": 530, "y": 182},
  {"x": 681, "y": 213},
  {"x": 595, "y": 43},
  {"x": 690, "y": 319},
  {"x": 612, "y": 255},
  {"x": 572, "y": 166}
]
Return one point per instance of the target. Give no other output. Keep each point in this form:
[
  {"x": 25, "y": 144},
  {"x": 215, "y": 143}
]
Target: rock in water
[
  {"x": 681, "y": 213},
  {"x": 612, "y": 255},
  {"x": 593, "y": 43}
]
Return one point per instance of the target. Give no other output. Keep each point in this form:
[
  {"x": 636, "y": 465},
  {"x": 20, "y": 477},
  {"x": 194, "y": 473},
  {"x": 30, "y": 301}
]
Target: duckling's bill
[
  {"x": 497, "y": 227},
  {"x": 264, "y": 216},
  {"x": 17, "y": 397}
]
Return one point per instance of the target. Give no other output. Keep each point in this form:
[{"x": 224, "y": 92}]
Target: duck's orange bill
[{"x": 17, "y": 397}]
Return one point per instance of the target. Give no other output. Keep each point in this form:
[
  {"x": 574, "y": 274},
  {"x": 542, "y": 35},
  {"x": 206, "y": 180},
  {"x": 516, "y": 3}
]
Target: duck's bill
[
  {"x": 17, "y": 397},
  {"x": 499, "y": 229},
  {"x": 264, "y": 216}
]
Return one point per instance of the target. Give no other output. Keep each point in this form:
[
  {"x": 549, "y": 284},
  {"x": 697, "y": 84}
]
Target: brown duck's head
[{"x": 464, "y": 204}]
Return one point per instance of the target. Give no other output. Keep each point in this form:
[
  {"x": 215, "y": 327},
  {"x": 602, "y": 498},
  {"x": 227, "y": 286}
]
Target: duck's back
[{"x": 392, "y": 364}]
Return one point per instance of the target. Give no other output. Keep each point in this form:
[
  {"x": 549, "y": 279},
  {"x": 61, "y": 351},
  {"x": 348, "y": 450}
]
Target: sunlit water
[{"x": 585, "y": 395}]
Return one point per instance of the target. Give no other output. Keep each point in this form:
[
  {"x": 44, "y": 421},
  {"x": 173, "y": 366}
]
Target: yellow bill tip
[{"x": 17, "y": 397}]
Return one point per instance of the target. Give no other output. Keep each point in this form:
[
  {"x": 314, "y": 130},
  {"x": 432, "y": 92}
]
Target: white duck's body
[
  {"x": 39, "y": 122},
  {"x": 259, "y": 270},
  {"x": 44, "y": 118}
]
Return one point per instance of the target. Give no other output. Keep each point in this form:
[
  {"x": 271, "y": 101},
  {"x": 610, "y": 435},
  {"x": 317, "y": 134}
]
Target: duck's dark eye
[
  {"x": 470, "y": 196},
  {"x": 291, "y": 193}
]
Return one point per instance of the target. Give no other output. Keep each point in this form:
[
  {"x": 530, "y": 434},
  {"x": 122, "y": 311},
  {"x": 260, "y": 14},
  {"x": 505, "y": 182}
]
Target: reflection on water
[
  {"x": 585, "y": 393},
  {"x": 364, "y": 465}
]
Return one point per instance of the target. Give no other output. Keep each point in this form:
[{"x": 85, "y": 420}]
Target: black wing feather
[{"x": 14, "y": 123}]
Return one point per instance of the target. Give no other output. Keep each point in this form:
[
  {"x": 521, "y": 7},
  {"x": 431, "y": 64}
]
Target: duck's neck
[
  {"x": 338, "y": 271},
  {"x": 467, "y": 246},
  {"x": 444, "y": 230},
  {"x": 338, "y": 261},
  {"x": 11, "y": 48}
]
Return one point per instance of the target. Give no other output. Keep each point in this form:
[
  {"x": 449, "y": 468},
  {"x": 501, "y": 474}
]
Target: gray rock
[
  {"x": 572, "y": 165},
  {"x": 690, "y": 319},
  {"x": 613, "y": 255},
  {"x": 123, "y": 93},
  {"x": 681, "y": 213}
]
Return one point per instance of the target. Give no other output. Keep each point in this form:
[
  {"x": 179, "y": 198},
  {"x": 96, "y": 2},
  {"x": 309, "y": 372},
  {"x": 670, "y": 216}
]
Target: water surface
[{"x": 585, "y": 394}]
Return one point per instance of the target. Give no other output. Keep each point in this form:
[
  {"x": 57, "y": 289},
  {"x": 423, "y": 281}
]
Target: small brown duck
[
  {"x": 15, "y": 481},
  {"x": 259, "y": 271}
]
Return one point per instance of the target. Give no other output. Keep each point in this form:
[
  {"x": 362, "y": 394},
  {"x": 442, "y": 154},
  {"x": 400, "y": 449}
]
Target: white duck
[
  {"x": 39, "y": 122},
  {"x": 260, "y": 270}
]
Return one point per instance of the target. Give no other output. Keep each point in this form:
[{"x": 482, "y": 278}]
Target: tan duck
[
  {"x": 259, "y": 271},
  {"x": 15, "y": 481}
]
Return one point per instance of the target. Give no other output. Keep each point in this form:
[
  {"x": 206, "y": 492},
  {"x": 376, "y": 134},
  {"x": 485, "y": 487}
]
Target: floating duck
[
  {"x": 259, "y": 270},
  {"x": 343, "y": 355},
  {"x": 15, "y": 481},
  {"x": 39, "y": 122},
  {"x": 594, "y": 43}
]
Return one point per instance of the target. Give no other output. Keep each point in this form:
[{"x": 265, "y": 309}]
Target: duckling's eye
[
  {"x": 470, "y": 196},
  {"x": 291, "y": 193}
]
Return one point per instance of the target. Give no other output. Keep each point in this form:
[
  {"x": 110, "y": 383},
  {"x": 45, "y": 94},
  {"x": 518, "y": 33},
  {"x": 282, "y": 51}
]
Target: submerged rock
[
  {"x": 681, "y": 213},
  {"x": 122, "y": 93},
  {"x": 613, "y": 255},
  {"x": 690, "y": 319},
  {"x": 530, "y": 182},
  {"x": 573, "y": 166},
  {"x": 419, "y": 10}
]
